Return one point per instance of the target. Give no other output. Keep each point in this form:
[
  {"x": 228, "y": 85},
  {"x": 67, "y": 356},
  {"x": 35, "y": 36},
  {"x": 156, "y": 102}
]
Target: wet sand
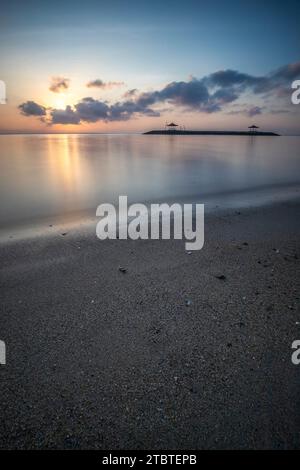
[{"x": 164, "y": 356}]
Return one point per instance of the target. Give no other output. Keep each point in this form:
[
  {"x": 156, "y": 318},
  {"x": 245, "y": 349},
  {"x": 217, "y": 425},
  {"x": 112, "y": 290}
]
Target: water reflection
[{"x": 47, "y": 175}]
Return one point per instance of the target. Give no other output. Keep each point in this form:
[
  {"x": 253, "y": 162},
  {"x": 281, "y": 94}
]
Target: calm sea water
[{"x": 44, "y": 176}]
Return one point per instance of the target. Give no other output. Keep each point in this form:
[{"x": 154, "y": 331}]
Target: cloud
[
  {"x": 232, "y": 78},
  {"x": 123, "y": 111},
  {"x": 254, "y": 111},
  {"x": 209, "y": 94},
  {"x": 98, "y": 83},
  {"x": 91, "y": 110},
  {"x": 130, "y": 93},
  {"x": 59, "y": 84},
  {"x": 287, "y": 72},
  {"x": 243, "y": 109},
  {"x": 261, "y": 84},
  {"x": 193, "y": 94},
  {"x": 64, "y": 116},
  {"x": 30, "y": 108}
]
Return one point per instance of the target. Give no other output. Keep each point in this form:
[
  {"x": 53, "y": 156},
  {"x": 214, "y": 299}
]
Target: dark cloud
[
  {"x": 91, "y": 110},
  {"x": 262, "y": 84},
  {"x": 30, "y": 108},
  {"x": 194, "y": 94},
  {"x": 209, "y": 94},
  {"x": 223, "y": 96},
  {"x": 98, "y": 83},
  {"x": 191, "y": 94},
  {"x": 288, "y": 72},
  {"x": 231, "y": 78},
  {"x": 59, "y": 84},
  {"x": 125, "y": 110},
  {"x": 64, "y": 116},
  {"x": 279, "y": 80}
]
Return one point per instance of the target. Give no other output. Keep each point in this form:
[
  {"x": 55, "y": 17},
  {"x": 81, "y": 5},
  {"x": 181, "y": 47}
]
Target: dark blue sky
[{"x": 253, "y": 35}]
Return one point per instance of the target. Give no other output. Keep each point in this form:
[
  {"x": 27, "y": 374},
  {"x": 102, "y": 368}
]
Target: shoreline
[
  {"x": 166, "y": 355},
  {"x": 215, "y": 203}
]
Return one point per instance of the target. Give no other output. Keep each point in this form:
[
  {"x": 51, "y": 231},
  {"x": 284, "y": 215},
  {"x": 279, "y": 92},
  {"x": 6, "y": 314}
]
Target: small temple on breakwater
[{"x": 253, "y": 129}]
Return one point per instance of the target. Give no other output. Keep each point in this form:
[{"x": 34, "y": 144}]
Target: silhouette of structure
[
  {"x": 253, "y": 129},
  {"x": 171, "y": 126},
  {"x": 175, "y": 129}
]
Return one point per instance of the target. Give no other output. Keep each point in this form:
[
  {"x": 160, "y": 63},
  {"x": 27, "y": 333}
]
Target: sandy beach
[{"x": 165, "y": 355}]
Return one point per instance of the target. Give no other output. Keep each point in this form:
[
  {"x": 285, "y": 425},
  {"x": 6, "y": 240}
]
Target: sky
[{"x": 130, "y": 66}]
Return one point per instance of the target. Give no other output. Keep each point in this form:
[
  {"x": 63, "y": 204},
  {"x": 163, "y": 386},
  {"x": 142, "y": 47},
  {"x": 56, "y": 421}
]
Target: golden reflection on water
[{"x": 64, "y": 166}]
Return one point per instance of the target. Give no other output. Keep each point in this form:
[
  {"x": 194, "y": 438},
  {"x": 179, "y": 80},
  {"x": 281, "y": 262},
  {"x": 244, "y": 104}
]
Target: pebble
[{"x": 221, "y": 277}]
